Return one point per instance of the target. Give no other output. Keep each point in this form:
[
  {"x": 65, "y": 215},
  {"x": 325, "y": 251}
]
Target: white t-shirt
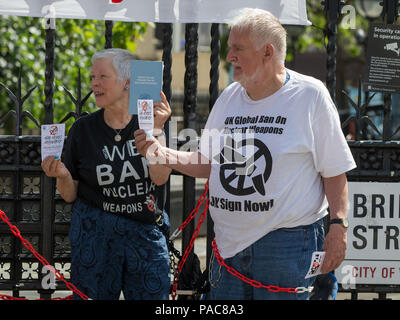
[{"x": 268, "y": 157}]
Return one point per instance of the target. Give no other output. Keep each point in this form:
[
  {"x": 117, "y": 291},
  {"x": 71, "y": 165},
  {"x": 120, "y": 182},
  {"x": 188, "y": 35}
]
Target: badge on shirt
[{"x": 317, "y": 260}]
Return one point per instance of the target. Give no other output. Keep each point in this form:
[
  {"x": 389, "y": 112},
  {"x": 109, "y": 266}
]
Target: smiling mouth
[{"x": 98, "y": 94}]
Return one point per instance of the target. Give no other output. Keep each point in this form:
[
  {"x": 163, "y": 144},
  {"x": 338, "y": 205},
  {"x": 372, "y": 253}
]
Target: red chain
[
  {"x": 42, "y": 260},
  {"x": 203, "y": 197},
  {"x": 254, "y": 283},
  {"x": 221, "y": 261},
  {"x": 7, "y": 297},
  {"x": 202, "y": 217}
]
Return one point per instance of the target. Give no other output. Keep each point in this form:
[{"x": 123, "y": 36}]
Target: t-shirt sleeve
[
  {"x": 332, "y": 155},
  {"x": 70, "y": 153}
]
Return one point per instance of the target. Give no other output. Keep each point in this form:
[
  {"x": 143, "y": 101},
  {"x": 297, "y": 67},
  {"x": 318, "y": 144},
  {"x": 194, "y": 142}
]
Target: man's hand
[
  {"x": 150, "y": 148},
  {"x": 335, "y": 245}
]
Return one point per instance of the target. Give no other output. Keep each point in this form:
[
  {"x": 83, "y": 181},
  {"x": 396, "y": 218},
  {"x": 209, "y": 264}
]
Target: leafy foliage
[
  {"x": 22, "y": 45},
  {"x": 311, "y": 38}
]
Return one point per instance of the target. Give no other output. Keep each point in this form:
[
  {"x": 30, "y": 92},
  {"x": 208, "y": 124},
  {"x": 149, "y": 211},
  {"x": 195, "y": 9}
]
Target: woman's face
[{"x": 105, "y": 84}]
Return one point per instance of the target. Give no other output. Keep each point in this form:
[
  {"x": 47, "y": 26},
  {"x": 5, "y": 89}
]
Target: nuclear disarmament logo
[{"x": 245, "y": 166}]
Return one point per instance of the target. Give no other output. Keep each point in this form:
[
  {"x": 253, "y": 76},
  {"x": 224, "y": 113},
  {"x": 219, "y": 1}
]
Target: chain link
[
  {"x": 254, "y": 283},
  {"x": 221, "y": 261},
  {"x": 203, "y": 197},
  {"x": 190, "y": 245},
  {"x": 7, "y": 297},
  {"x": 303, "y": 289}
]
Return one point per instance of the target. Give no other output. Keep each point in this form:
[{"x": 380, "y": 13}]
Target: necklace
[{"x": 117, "y": 137}]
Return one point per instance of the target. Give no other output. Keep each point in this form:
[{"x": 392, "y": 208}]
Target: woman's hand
[
  {"x": 162, "y": 112},
  {"x": 54, "y": 168},
  {"x": 67, "y": 187}
]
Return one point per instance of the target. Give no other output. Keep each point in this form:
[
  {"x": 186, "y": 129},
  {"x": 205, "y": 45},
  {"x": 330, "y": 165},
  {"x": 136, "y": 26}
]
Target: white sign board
[
  {"x": 196, "y": 11},
  {"x": 373, "y": 237}
]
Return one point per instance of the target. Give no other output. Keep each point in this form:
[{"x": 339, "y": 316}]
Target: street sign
[{"x": 373, "y": 237}]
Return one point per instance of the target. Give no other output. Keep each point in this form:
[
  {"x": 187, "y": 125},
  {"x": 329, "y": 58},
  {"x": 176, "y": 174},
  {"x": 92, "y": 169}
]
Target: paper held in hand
[
  {"x": 317, "y": 260},
  {"x": 145, "y": 82},
  {"x": 52, "y": 140},
  {"x": 146, "y": 116}
]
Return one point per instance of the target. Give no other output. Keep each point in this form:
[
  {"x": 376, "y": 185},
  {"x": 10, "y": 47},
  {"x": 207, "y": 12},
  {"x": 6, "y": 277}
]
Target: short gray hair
[
  {"x": 121, "y": 60},
  {"x": 264, "y": 28}
]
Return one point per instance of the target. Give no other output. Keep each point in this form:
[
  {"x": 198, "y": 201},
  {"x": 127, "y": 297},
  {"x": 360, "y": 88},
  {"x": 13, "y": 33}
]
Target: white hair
[
  {"x": 264, "y": 28},
  {"x": 120, "y": 58}
]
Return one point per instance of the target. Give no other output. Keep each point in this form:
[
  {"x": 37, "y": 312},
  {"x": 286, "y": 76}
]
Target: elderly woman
[{"x": 115, "y": 236}]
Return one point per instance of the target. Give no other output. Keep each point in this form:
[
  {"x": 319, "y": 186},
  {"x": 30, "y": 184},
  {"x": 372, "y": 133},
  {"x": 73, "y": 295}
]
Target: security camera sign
[
  {"x": 383, "y": 59},
  {"x": 392, "y": 47},
  {"x": 373, "y": 236}
]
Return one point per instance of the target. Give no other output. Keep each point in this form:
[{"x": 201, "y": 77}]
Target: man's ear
[{"x": 269, "y": 51}]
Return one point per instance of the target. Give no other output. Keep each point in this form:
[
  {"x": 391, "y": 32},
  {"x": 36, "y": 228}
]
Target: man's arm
[
  {"x": 189, "y": 163},
  {"x": 159, "y": 174},
  {"x": 335, "y": 243},
  {"x": 192, "y": 164}
]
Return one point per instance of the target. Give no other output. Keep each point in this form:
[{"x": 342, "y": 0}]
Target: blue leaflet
[{"x": 146, "y": 82}]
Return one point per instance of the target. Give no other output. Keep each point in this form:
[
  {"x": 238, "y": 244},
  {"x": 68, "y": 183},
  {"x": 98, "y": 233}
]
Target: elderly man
[{"x": 276, "y": 158}]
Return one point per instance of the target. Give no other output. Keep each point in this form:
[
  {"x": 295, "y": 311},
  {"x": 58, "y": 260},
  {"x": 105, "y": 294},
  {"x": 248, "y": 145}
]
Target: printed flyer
[
  {"x": 146, "y": 82},
  {"x": 52, "y": 140}
]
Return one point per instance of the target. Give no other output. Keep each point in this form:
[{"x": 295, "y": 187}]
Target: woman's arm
[{"x": 67, "y": 187}]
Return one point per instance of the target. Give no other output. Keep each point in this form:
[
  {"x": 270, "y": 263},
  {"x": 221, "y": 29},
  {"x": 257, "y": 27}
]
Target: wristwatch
[
  {"x": 159, "y": 134},
  {"x": 344, "y": 222}
]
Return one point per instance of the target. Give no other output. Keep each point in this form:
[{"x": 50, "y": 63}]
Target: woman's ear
[{"x": 127, "y": 84}]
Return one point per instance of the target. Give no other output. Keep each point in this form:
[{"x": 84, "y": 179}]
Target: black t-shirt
[{"x": 112, "y": 175}]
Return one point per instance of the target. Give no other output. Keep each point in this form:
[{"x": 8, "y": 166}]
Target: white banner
[
  {"x": 196, "y": 11},
  {"x": 373, "y": 238}
]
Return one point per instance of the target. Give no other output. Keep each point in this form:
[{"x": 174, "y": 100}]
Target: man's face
[{"x": 247, "y": 62}]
